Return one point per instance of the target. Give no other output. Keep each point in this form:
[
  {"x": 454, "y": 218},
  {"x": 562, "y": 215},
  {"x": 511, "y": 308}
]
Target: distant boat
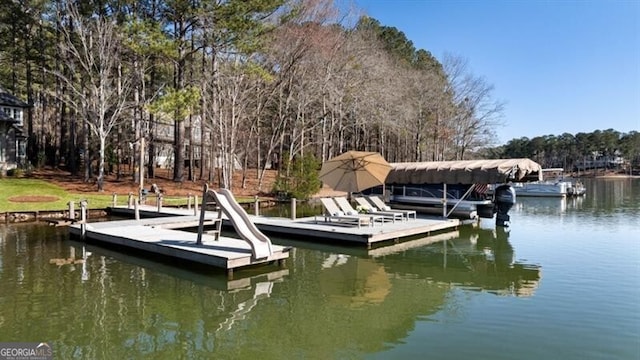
[{"x": 553, "y": 184}]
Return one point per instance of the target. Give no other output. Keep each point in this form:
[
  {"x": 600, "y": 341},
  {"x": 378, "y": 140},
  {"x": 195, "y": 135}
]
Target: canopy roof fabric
[{"x": 463, "y": 172}]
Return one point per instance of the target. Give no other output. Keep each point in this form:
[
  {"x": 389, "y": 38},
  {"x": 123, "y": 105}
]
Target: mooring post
[
  {"x": 205, "y": 188},
  {"x": 83, "y": 218},
  {"x": 83, "y": 211},
  {"x": 444, "y": 200},
  {"x": 114, "y": 200},
  {"x": 256, "y": 205},
  {"x": 130, "y": 201},
  {"x": 72, "y": 210},
  {"x": 195, "y": 204},
  {"x": 159, "y": 201},
  {"x": 136, "y": 210},
  {"x": 293, "y": 208},
  {"x": 189, "y": 201}
]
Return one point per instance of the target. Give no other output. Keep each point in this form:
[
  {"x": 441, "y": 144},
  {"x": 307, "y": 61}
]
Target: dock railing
[{"x": 160, "y": 200}]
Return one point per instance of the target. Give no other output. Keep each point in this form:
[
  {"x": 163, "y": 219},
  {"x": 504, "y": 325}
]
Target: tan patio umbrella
[{"x": 355, "y": 171}]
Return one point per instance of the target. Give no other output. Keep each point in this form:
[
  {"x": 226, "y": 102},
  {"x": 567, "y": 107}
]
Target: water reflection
[
  {"x": 329, "y": 302},
  {"x": 548, "y": 205},
  {"x": 613, "y": 195},
  {"x": 90, "y": 302},
  {"x": 479, "y": 259}
]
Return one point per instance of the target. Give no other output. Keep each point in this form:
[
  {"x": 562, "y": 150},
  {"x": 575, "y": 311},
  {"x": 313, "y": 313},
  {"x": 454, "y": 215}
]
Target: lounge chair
[
  {"x": 345, "y": 206},
  {"x": 333, "y": 212},
  {"x": 370, "y": 209},
  {"x": 380, "y": 205}
]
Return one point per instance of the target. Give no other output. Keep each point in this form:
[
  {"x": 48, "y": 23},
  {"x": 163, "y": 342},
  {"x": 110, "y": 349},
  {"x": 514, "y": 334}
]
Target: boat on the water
[
  {"x": 430, "y": 199},
  {"x": 554, "y": 184},
  {"x": 457, "y": 188}
]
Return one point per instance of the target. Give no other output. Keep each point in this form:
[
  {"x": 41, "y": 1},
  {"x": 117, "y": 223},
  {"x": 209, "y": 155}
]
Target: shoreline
[{"x": 607, "y": 176}]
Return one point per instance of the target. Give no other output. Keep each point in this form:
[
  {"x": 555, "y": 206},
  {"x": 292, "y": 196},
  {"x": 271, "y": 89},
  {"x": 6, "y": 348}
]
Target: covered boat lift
[{"x": 464, "y": 172}]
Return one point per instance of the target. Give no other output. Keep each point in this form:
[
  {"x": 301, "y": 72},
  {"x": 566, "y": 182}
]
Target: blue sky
[{"x": 560, "y": 66}]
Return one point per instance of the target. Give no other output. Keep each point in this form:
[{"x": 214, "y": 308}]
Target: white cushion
[{"x": 387, "y": 208}]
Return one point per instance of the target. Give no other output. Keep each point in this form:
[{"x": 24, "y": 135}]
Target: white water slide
[{"x": 260, "y": 243}]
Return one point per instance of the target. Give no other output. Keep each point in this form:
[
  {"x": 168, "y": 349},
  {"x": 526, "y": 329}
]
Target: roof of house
[{"x": 10, "y": 100}]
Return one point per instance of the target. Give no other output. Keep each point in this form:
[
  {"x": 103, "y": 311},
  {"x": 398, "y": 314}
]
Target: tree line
[
  {"x": 211, "y": 83},
  {"x": 572, "y": 152}
]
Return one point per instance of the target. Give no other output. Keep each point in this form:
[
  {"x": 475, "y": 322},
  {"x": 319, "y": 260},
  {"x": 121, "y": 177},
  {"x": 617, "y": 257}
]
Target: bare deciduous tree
[
  {"x": 475, "y": 113},
  {"x": 98, "y": 87}
]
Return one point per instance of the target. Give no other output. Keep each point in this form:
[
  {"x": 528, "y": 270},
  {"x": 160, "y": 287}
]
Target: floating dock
[
  {"x": 308, "y": 227},
  {"x": 242, "y": 280},
  {"x": 161, "y": 231},
  {"x": 158, "y": 236}
]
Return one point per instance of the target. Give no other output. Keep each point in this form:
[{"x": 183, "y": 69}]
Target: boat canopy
[{"x": 465, "y": 172}]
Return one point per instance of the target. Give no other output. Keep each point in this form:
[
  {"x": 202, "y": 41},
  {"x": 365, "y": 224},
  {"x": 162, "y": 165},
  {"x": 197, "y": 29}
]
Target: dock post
[
  {"x": 136, "y": 210},
  {"x": 195, "y": 204},
  {"x": 293, "y": 208},
  {"x": 444, "y": 200},
  {"x": 72, "y": 210},
  {"x": 83, "y": 211},
  {"x": 130, "y": 201},
  {"x": 83, "y": 218},
  {"x": 159, "y": 201},
  {"x": 189, "y": 201},
  {"x": 114, "y": 200},
  {"x": 256, "y": 205},
  {"x": 205, "y": 188}
]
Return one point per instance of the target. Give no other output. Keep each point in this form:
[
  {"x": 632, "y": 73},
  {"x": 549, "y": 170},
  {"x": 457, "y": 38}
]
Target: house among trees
[
  {"x": 13, "y": 142},
  {"x": 599, "y": 160}
]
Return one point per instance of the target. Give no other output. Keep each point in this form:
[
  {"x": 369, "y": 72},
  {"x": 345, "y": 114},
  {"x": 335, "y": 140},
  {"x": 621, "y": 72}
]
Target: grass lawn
[
  {"x": 38, "y": 195},
  {"x": 19, "y": 194}
]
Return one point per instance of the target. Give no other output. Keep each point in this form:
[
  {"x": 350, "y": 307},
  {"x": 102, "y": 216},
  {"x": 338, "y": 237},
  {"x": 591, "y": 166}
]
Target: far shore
[
  {"x": 617, "y": 176},
  {"x": 599, "y": 174}
]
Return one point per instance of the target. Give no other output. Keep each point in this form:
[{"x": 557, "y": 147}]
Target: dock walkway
[{"x": 307, "y": 227}]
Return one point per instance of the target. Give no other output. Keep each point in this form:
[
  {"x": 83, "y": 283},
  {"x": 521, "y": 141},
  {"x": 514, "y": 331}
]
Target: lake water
[{"x": 562, "y": 283}]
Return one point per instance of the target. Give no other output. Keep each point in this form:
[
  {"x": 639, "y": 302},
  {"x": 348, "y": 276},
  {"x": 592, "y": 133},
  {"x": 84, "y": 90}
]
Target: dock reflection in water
[{"x": 332, "y": 302}]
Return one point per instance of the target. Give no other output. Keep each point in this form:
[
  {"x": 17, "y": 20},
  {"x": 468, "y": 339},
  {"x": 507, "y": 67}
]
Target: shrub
[
  {"x": 17, "y": 172},
  {"x": 297, "y": 178}
]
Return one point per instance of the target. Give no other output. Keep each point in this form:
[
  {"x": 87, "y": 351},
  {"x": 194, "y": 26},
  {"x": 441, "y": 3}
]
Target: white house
[{"x": 13, "y": 141}]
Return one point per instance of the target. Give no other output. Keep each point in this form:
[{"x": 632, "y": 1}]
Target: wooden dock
[
  {"x": 158, "y": 236},
  {"x": 309, "y": 227},
  {"x": 241, "y": 280}
]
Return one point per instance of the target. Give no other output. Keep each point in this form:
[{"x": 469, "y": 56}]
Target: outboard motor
[{"x": 504, "y": 198}]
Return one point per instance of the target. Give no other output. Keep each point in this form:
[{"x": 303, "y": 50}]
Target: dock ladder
[{"x": 207, "y": 199}]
